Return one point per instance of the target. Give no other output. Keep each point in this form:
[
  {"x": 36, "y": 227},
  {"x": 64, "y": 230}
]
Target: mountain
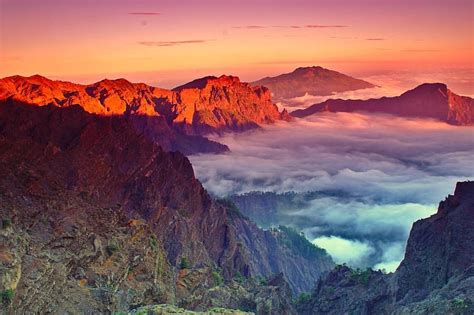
[
  {"x": 435, "y": 277},
  {"x": 179, "y": 117},
  {"x": 315, "y": 81},
  {"x": 96, "y": 217},
  {"x": 429, "y": 100},
  {"x": 224, "y": 104}
]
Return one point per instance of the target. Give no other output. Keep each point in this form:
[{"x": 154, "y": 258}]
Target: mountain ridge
[
  {"x": 223, "y": 104},
  {"x": 428, "y": 100}
]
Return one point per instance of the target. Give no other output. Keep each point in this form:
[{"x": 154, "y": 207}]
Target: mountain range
[
  {"x": 316, "y": 81},
  {"x": 176, "y": 119},
  {"x": 429, "y": 100},
  {"x": 100, "y": 213}
]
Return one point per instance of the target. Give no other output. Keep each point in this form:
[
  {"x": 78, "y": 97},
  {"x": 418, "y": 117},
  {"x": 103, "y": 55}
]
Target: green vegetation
[
  {"x": 217, "y": 278},
  {"x": 302, "y": 298},
  {"x": 340, "y": 266},
  {"x": 459, "y": 305},
  {"x": 232, "y": 210},
  {"x": 184, "y": 264},
  {"x": 7, "y": 296},
  {"x": 262, "y": 280},
  {"x": 361, "y": 276},
  {"x": 238, "y": 277},
  {"x": 6, "y": 223},
  {"x": 111, "y": 248},
  {"x": 153, "y": 241},
  {"x": 298, "y": 243}
]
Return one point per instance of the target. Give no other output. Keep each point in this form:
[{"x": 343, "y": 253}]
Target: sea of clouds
[{"x": 397, "y": 169}]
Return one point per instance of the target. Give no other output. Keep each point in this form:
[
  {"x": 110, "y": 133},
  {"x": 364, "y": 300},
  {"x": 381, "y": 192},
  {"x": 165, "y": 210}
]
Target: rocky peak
[
  {"x": 439, "y": 247},
  {"x": 223, "y": 80},
  {"x": 428, "y": 89},
  {"x": 311, "y": 71},
  {"x": 464, "y": 190},
  {"x": 314, "y": 80}
]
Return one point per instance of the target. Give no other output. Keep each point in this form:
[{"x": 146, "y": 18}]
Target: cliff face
[
  {"x": 203, "y": 106},
  {"x": 95, "y": 211},
  {"x": 435, "y": 277},
  {"x": 312, "y": 80},
  {"x": 430, "y": 100},
  {"x": 224, "y": 104},
  {"x": 440, "y": 247}
]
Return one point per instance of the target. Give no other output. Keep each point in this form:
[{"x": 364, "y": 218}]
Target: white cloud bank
[
  {"x": 344, "y": 251},
  {"x": 394, "y": 171}
]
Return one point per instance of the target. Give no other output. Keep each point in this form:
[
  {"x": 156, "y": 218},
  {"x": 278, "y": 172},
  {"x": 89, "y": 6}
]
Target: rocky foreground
[
  {"x": 436, "y": 276},
  {"x": 97, "y": 218}
]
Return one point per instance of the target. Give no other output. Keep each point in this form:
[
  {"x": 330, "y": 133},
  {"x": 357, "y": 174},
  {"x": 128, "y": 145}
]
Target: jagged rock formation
[
  {"x": 436, "y": 276},
  {"x": 439, "y": 248},
  {"x": 315, "y": 81},
  {"x": 429, "y": 100},
  {"x": 95, "y": 211},
  {"x": 206, "y": 105},
  {"x": 220, "y": 104}
]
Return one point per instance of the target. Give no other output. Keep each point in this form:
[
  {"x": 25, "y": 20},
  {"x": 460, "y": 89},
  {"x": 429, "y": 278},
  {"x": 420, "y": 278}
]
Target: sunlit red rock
[{"x": 202, "y": 106}]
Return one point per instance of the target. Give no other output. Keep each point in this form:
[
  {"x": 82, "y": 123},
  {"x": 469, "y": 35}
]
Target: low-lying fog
[{"x": 398, "y": 169}]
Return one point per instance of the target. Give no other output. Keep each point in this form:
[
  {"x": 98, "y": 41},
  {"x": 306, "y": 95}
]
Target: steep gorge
[{"x": 97, "y": 212}]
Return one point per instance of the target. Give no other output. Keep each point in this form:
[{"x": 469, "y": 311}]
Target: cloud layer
[{"x": 395, "y": 170}]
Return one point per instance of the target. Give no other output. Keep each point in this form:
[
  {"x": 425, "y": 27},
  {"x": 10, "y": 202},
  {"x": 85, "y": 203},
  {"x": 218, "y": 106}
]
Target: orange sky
[{"x": 164, "y": 42}]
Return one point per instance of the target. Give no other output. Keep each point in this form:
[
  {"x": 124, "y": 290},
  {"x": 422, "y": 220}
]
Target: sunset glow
[{"x": 165, "y": 42}]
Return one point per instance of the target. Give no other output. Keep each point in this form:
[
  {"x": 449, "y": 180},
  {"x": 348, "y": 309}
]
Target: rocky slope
[
  {"x": 221, "y": 104},
  {"x": 203, "y": 106},
  {"x": 429, "y": 100},
  {"x": 95, "y": 211},
  {"x": 315, "y": 81},
  {"x": 435, "y": 277}
]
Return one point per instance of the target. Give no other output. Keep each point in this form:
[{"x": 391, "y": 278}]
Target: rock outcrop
[
  {"x": 97, "y": 217},
  {"x": 435, "y": 277},
  {"x": 429, "y": 100},
  {"x": 316, "y": 81},
  {"x": 207, "y": 105},
  {"x": 439, "y": 248},
  {"x": 214, "y": 104}
]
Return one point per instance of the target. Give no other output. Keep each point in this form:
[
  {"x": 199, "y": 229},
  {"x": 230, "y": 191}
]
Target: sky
[{"x": 169, "y": 42}]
